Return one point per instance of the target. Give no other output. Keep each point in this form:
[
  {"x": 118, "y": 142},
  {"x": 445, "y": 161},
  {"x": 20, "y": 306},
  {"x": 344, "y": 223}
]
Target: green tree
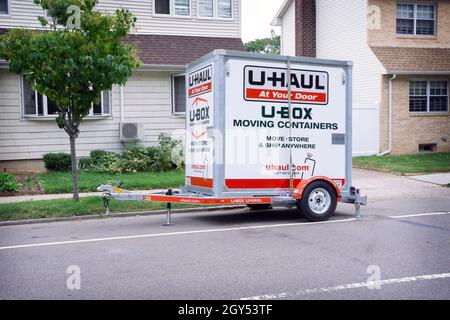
[
  {"x": 269, "y": 45},
  {"x": 79, "y": 54}
]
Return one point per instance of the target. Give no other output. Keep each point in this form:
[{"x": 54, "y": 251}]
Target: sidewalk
[
  {"x": 60, "y": 196},
  {"x": 375, "y": 184},
  {"x": 435, "y": 178}
]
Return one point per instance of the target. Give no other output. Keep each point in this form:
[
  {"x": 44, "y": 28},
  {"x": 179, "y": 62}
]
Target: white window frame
[
  {"x": 414, "y": 18},
  {"x": 53, "y": 116},
  {"x": 102, "y": 104},
  {"x": 172, "y": 11},
  {"x": 428, "y": 111},
  {"x": 8, "y": 7},
  {"x": 172, "y": 88},
  {"x": 215, "y": 15}
]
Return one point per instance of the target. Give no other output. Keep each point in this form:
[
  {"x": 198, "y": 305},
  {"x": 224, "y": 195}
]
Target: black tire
[
  {"x": 259, "y": 206},
  {"x": 318, "y": 202}
]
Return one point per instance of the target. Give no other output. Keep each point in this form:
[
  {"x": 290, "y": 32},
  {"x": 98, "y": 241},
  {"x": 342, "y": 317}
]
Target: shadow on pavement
[{"x": 246, "y": 216}]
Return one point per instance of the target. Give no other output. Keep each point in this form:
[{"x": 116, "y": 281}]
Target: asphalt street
[{"x": 404, "y": 237}]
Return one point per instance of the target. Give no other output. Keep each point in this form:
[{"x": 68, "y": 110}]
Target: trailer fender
[{"x": 298, "y": 191}]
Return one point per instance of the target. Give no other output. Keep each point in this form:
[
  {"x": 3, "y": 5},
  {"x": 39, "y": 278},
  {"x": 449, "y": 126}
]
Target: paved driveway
[{"x": 404, "y": 238}]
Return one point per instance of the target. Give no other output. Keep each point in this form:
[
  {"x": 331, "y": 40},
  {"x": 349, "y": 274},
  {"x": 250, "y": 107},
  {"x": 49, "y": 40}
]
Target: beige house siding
[
  {"x": 411, "y": 129},
  {"x": 23, "y": 13},
  {"x": 288, "y": 31},
  {"x": 147, "y": 100},
  {"x": 342, "y": 35},
  {"x": 387, "y": 34}
]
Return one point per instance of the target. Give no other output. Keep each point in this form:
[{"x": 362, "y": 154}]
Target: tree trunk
[{"x": 73, "y": 155}]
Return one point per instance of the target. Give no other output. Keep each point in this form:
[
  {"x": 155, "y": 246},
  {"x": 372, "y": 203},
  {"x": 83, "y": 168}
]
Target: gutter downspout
[{"x": 392, "y": 78}]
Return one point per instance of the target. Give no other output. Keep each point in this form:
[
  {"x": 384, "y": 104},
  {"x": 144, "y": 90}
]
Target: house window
[
  {"x": 428, "y": 96},
  {"x": 179, "y": 94},
  {"x": 416, "y": 19},
  {"x": 4, "y": 7},
  {"x": 224, "y": 8},
  {"x": 215, "y": 8},
  {"x": 35, "y": 104},
  {"x": 173, "y": 7},
  {"x": 103, "y": 108},
  {"x": 206, "y": 8}
]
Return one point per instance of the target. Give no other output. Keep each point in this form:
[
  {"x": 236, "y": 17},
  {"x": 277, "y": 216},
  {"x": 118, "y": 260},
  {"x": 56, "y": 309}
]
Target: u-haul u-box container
[
  {"x": 259, "y": 125},
  {"x": 265, "y": 130}
]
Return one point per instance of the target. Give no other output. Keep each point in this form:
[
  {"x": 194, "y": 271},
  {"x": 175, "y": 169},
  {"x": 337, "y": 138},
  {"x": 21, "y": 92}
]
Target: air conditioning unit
[{"x": 131, "y": 130}]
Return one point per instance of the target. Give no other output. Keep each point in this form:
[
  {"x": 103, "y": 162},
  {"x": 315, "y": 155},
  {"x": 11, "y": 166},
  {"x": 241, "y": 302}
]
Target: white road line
[
  {"x": 419, "y": 215},
  {"x": 347, "y": 287},
  {"x": 153, "y": 235}
]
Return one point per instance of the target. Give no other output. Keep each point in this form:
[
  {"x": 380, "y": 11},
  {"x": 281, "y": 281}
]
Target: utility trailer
[{"x": 265, "y": 131}]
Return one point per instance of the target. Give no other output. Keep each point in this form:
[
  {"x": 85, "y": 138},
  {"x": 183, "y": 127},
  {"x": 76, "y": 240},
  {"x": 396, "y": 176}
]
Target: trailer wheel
[
  {"x": 259, "y": 206},
  {"x": 318, "y": 202}
]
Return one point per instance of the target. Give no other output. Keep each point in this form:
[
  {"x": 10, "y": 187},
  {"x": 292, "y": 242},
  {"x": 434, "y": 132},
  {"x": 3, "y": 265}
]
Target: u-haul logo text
[
  {"x": 200, "y": 81},
  {"x": 271, "y": 85}
]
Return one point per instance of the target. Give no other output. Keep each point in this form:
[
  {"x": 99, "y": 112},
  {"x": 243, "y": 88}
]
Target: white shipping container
[{"x": 243, "y": 99}]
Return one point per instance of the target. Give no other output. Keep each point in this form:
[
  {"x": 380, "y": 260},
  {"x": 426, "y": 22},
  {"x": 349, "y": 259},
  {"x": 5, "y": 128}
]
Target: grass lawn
[
  {"x": 406, "y": 164},
  {"x": 61, "y": 182},
  {"x": 68, "y": 207}
]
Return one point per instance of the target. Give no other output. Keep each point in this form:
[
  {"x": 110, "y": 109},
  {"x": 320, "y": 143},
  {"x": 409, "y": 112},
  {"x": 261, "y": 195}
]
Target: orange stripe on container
[{"x": 200, "y": 182}]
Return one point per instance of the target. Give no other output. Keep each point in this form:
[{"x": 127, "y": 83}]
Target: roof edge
[
  {"x": 276, "y": 21},
  {"x": 428, "y": 73}
]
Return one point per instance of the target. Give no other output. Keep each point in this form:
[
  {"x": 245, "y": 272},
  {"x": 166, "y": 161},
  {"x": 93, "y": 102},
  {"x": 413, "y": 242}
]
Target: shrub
[
  {"x": 8, "y": 183},
  {"x": 85, "y": 163},
  {"x": 163, "y": 157},
  {"x": 135, "y": 157},
  {"x": 57, "y": 161},
  {"x": 102, "y": 161}
]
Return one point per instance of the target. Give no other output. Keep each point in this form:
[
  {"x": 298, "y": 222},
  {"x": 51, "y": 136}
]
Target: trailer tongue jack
[{"x": 169, "y": 210}]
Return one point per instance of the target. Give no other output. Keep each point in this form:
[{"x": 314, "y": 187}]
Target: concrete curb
[{"x": 117, "y": 215}]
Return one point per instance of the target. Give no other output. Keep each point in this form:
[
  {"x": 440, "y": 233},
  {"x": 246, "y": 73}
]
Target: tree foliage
[
  {"x": 76, "y": 56},
  {"x": 269, "y": 45},
  {"x": 72, "y": 66}
]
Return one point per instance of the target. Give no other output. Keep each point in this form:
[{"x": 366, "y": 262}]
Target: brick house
[
  {"x": 401, "y": 55},
  {"x": 169, "y": 34}
]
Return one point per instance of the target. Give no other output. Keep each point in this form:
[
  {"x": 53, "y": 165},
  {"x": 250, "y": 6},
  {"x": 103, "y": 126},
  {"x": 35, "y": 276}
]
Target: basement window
[
  {"x": 39, "y": 106},
  {"x": 431, "y": 147},
  {"x": 4, "y": 8},
  {"x": 416, "y": 19}
]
